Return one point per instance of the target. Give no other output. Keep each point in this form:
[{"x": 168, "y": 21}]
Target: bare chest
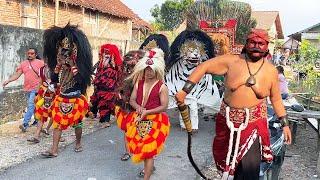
[{"x": 238, "y": 75}]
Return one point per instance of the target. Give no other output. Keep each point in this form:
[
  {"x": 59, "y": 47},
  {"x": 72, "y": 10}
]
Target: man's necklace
[{"x": 252, "y": 80}]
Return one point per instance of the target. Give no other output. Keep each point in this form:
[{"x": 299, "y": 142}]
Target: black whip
[{"x": 184, "y": 110}]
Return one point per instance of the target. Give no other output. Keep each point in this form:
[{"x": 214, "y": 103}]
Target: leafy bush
[{"x": 305, "y": 61}]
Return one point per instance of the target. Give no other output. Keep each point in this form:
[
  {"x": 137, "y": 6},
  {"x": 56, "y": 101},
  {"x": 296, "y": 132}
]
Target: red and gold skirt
[
  {"x": 68, "y": 111},
  {"x": 257, "y": 129},
  {"x": 146, "y": 138},
  {"x": 123, "y": 117},
  {"x": 43, "y": 103}
]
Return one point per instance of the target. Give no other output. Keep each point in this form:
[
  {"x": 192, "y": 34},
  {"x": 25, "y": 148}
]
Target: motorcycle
[{"x": 271, "y": 171}]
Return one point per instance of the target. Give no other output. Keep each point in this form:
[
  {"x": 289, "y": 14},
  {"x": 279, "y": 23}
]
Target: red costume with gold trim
[
  {"x": 68, "y": 111},
  {"x": 69, "y": 56},
  {"x": 45, "y": 96},
  {"x": 256, "y": 129},
  {"x": 146, "y": 140},
  {"x": 242, "y": 134},
  {"x": 145, "y": 137}
]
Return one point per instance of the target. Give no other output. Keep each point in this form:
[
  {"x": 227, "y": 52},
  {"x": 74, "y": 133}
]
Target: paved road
[{"x": 101, "y": 158}]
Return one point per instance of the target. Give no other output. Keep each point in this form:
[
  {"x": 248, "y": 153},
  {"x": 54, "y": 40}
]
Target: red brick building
[{"x": 98, "y": 18}]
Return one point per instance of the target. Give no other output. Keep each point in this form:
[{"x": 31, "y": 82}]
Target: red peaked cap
[
  {"x": 114, "y": 51},
  {"x": 261, "y": 33}
]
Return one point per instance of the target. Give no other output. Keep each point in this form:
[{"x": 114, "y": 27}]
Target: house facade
[
  {"x": 107, "y": 20},
  {"x": 312, "y": 34},
  {"x": 269, "y": 21}
]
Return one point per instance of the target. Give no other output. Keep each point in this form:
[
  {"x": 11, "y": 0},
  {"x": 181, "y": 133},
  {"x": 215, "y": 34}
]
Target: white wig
[{"x": 153, "y": 58}]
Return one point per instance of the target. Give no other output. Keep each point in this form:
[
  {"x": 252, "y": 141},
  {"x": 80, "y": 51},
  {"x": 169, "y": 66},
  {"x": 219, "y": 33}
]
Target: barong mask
[
  {"x": 110, "y": 56},
  {"x": 106, "y": 58},
  {"x": 193, "y": 52},
  {"x": 66, "y": 56},
  {"x": 68, "y": 52},
  {"x": 131, "y": 59},
  {"x": 257, "y": 44},
  {"x": 191, "y": 48}
]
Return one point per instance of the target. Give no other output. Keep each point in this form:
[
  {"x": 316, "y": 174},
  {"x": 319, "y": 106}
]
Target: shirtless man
[{"x": 249, "y": 80}]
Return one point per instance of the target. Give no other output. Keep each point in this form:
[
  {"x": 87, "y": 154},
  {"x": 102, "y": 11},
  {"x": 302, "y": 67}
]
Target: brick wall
[
  {"x": 115, "y": 28},
  {"x": 47, "y": 15},
  {"x": 70, "y": 13},
  {"x": 106, "y": 26},
  {"x": 10, "y": 12}
]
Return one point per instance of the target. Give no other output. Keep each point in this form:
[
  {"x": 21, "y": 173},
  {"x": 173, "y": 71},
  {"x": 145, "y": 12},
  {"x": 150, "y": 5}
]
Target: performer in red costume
[
  {"x": 43, "y": 103},
  {"x": 242, "y": 136},
  {"x": 123, "y": 107},
  {"x": 106, "y": 82},
  {"x": 69, "y": 57},
  {"x": 148, "y": 126}
]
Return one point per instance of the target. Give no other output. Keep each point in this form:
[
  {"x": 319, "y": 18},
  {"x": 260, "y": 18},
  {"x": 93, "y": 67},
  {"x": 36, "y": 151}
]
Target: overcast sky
[{"x": 295, "y": 15}]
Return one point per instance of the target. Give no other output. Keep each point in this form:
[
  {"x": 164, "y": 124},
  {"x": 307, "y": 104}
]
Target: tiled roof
[
  {"x": 265, "y": 20},
  {"x": 140, "y": 23},
  {"x": 112, "y": 7}
]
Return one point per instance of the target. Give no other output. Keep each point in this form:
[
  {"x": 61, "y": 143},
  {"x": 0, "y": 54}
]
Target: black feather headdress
[{"x": 52, "y": 38}]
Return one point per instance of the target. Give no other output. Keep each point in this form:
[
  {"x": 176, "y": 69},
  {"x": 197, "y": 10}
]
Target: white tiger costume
[{"x": 188, "y": 50}]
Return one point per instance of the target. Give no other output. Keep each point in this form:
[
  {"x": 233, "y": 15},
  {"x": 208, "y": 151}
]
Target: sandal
[
  {"x": 78, "y": 149},
  {"x": 33, "y": 140},
  {"x": 48, "y": 154},
  {"x": 141, "y": 173},
  {"x": 106, "y": 125},
  {"x": 45, "y": 131},
  {"x": 125, "y": 157}
]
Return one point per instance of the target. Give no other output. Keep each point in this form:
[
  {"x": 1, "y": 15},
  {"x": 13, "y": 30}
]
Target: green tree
[
  {"x": 170, "y": 14},
  {"x": 307, "y": 57}
]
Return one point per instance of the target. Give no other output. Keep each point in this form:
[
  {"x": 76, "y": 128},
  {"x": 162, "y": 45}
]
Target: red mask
[
  {"x": 256, "y": 48},
  {"x": 257, "y": 44},
  {"x": 106, "y": 58}
]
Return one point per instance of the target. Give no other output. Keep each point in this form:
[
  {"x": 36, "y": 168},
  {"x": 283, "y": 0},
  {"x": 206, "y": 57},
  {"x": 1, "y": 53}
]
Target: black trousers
[
  {"x": 105, "y": 118},
  {"x": 94, "y": 109},
  {"x": 249, "y": 166}
]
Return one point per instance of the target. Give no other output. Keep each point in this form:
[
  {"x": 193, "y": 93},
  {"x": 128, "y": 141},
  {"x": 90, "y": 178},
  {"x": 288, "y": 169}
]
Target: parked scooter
[{"x": 271, "y": 171}]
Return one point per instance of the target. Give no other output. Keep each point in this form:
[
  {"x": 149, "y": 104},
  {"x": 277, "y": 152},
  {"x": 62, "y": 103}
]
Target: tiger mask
[{"x": 192, "y": 47}]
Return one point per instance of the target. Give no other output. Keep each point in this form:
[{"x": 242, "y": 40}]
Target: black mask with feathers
[
  {"x": 159, "y": 41},
  {"x": 53, "y": 38},
  {"x": 184, "y": 38}
]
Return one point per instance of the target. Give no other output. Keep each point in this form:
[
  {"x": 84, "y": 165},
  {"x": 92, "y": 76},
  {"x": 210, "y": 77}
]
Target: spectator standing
[{"x": 30, "y": 69}]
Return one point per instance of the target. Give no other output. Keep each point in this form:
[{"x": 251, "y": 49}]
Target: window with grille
[
  {"x": 30, "y": 15},
  {"x": 91, "y": 23}
]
